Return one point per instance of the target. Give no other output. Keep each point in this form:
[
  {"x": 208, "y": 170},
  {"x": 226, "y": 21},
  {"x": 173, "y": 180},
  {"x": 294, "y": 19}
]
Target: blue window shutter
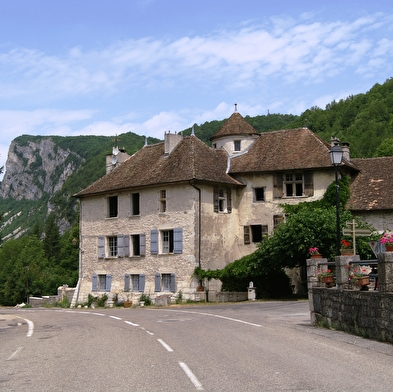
[
  {"x": 154, "y": 242},
  {"x": 120, "y": 245},
  {"x": 157, "y": 282},
  {"x": 94, "y": 282},
  {"x": 127, "y": 282},
  {"x": 108, "y": 282},
  {"x": 178, "y": 240},
  {"x": 142, "y": 244},
  {"x": 173, "y": 283},
  {"x": 142, "y": 282},
  {"x": 101, "y": 247},
  {"x": 126, "y": 243}
]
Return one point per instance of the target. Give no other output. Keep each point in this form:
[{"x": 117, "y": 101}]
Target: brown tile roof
[
  {"x": 191, "y": 159},
  {"x": 372, "y": 187},
  {"x": 235, "y": 125},
  {"x": 290, "y": 149}
]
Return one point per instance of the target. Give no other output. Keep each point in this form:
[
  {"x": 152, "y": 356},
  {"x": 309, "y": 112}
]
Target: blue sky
[{"x": 105, "y": 67}]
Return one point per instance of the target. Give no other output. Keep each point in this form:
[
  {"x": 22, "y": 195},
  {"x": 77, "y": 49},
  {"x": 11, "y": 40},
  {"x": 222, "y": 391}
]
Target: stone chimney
[
  {"x": 334, "y": 141},
  {"x": 171, "y": 141},
  {"x": 346, "y": 154},
  {"x": 118, "y": 156}
]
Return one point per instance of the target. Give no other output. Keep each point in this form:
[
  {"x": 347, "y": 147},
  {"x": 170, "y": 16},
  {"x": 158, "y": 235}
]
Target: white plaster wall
[{"x": 228, "y": 145}]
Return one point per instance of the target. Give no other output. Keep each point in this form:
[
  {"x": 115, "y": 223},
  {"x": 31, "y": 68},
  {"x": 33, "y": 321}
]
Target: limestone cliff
[{"x": 36, "y": 168}]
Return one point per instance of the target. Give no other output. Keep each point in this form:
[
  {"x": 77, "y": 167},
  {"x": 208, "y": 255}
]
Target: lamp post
[{"x": 336, "y": 155}]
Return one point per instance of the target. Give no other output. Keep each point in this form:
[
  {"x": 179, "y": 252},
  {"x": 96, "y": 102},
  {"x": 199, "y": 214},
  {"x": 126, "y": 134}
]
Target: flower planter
[
  {"x": 346, "y": 252},
  {"x": 389, "y": 248},
  {"x": 316, "y": 256},
  {"x": 327, "y": 279},
  {"x": 363, "y": 281}
]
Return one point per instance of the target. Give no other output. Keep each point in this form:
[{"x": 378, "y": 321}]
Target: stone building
[{"x": 179, "y": 204}]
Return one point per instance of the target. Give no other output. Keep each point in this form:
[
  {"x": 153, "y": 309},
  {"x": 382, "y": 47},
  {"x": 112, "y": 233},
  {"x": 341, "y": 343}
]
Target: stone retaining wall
[
  {"x": 227, "y": 296},
  {"x": 365, "y": 313}
]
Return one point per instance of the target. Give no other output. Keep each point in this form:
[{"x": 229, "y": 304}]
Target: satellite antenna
[{"x": 115, "y": 152}]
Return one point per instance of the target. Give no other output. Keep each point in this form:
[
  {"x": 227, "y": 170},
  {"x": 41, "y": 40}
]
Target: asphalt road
[{"x": 259, "y": 346}]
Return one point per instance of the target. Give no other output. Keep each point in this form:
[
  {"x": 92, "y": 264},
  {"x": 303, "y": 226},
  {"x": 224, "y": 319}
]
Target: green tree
[
  {"x": 52, "y": 239},
  {"x": 385, "y": 149}
]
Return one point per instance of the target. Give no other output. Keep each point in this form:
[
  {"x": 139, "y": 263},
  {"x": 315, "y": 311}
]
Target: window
[
  {"x": 293, "y": 184},
  {"x": 101, "y": 282},
  {"x": 163, "y": 200},
  {"x": 277, "y": 219},
  {"x": 255, "y": 233},
  {"x": 112, "y": 246},
  {"x": 136, "y": 280},
  {"x": 135, "y": 206},
  {"x": 166, "y": 241},
  {"x": 165, "y": 282},
  {"x": 112, "y": 206},
  {"x": 222, "y": 200},
  {"x": 138, "y": 244},
  {"x": 236, "y": 145},
  {"x": 259, "y": 194}
]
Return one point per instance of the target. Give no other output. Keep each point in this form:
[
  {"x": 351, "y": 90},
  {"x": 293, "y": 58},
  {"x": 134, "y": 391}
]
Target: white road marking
[
  {"x": 98, "y": 314},
  {"x": 191, "y": 376},
  {"x": 165, "y": 345},
  {"x": 130, "y": 323},
  {"x": 14, "y": 353},
  {"x": 31, "y": 327},
  {"x": 116, "y": 318},
  {"x": 217, "y": 315}
]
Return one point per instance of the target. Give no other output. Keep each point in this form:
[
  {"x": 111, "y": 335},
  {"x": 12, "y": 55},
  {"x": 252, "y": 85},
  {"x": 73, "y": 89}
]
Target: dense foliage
[
  {"x": 33, "y": 266},
  {"x": 363, "y": 120}
]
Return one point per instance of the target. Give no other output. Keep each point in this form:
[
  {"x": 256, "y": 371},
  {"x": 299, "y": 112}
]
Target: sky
[{"x": 106, "y": 67}]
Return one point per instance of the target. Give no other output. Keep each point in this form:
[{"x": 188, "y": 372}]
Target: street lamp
[{"x": 336, "y": 155}]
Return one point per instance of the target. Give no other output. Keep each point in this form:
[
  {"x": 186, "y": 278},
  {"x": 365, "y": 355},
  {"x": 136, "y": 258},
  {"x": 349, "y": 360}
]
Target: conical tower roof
[{"x": 236, "y": 125}]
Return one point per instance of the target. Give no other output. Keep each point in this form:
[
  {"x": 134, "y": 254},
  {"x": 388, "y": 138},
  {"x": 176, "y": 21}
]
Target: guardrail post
[{"x": 385, "y": 272}]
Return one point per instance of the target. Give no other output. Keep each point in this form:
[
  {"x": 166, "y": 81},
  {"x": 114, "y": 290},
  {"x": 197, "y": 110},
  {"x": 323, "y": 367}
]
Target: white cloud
[
  {"x": 16, "y": 122},
  {"x": 286, "y": 49}
]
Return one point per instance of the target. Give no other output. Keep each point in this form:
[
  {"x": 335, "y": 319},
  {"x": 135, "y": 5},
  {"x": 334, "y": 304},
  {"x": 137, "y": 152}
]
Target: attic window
[
  {"x": 163, "y": 200},
  {"x": 112, "y": 206},
  {"x": 236, "y": 145}
]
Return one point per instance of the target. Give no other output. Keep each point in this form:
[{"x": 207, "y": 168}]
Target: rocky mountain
[
  {"x": 42, "y": 174},
  {"x": 36, "y": 168}
]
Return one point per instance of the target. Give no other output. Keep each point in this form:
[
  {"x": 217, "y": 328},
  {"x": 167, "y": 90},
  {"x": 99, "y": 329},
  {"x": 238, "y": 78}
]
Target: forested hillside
[{"x": 363, "y": 120}]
